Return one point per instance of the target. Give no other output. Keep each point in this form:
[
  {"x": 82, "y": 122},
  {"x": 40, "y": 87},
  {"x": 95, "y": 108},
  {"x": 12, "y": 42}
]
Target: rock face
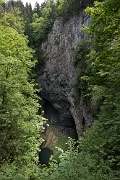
[{"x": 58, "y": 78}]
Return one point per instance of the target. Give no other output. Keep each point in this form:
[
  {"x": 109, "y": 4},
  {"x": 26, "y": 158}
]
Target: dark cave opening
[
  {"x": 50, "y": 112},
  {"x": 55, "y": 116},
  {"x": 56, "y": 134},
  {"x": 44, "y": 156}
]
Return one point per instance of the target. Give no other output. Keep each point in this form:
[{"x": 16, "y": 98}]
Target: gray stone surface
[{"x": 59, "y": 75}]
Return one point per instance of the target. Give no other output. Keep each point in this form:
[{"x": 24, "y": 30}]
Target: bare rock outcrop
[{"x": 58, "y": 79}]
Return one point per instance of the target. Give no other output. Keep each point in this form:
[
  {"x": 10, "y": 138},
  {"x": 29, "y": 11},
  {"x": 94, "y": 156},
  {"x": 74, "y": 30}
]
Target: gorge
[
  {"x": 60, "y": 90},
  {"x": 66, "y": 113}
]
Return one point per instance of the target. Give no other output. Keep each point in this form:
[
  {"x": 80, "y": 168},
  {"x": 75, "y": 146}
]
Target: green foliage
[
  {"x": 104, "y": 80},
  {"x": 81, "y": 52},
  {"x": 27, "y": 16},
  {"x": 42, "y": 25},
  {"x": 69, "y": 8},
  {"x": 37, "y": 9},
  {"x": 50, "y": 11},
  {"x": 97, "y": 156},
  {"x": 1, "y": 1},
  {"x": 20, "y": 124},
  {"x": 13, "y": 20},
  {"x": 23, "y": 15}
]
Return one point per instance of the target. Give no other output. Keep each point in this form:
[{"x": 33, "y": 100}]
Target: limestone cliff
[{"x": 58, "y": 78}]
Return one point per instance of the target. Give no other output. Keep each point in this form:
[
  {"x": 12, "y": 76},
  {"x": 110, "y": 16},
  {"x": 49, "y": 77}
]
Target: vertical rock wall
[{"x": 58, "y": 78}]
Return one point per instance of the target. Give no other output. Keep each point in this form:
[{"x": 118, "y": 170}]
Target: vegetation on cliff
[{"x": 97, "y": 155}]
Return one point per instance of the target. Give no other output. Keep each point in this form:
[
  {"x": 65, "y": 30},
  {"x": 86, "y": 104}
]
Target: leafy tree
[
  {"x": 13, "y": 20},
  {"x": 69, "y": 8},
  {"x": 81, "y": 52},
  {"x": 42, "y": 25},
  {"x": 104, "y": 80},
  {"x": 20, "y": 124}
]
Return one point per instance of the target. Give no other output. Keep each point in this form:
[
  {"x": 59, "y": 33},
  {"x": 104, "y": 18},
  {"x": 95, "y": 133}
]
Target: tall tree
[
  {"x": 20, "y": 123},
  {"x": 105, "y": 75},
  {"x": 37, "y": 9}
]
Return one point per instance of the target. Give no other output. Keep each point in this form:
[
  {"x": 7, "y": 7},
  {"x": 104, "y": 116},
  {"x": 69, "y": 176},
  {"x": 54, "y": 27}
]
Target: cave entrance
[
  {"x": 60, "y": 128},
  {"x": 64, "y": 124}
]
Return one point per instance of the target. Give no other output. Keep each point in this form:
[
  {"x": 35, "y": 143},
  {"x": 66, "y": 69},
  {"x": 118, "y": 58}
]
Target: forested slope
[{"x": 20, "y": 123}]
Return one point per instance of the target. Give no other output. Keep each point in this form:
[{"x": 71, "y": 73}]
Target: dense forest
[{"x": 96, "y": 156}]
